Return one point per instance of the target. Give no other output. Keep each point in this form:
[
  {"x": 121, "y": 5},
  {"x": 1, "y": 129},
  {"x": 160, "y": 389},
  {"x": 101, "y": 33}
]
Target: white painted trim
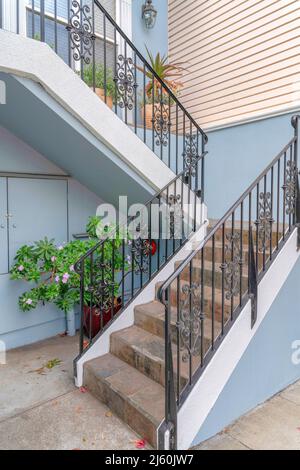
[
  {"x": 208, "y": 388},
  {"x": 101, "y": 346},
  {"x": 294, "y": 108},
  {"x": 36, "y": 61}
]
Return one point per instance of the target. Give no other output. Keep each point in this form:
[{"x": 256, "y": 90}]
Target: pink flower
[
  {"x": 65, "y": 278},
  {"x": 57, "y": 279},
  {"x": 53, "y": 259},
  {"x": 21, "y": 268},
  {"x": 29, "y": 302}
]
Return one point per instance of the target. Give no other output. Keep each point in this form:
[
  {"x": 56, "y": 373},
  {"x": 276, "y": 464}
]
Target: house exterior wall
[
  {"x": 242, "y": 57},
  {"x": 155, "y": 39},
  {"x": 19, "y": 162},
  {"x": 237, "y": 155},
  {"x": 269, "y": 364}
]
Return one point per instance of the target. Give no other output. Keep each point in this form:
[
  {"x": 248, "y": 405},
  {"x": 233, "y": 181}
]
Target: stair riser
[
  {"x": 121, "y": 407},
  {"x": 156, "y": 326},
  {"x": 219, "y": 236},
  {"x": 208, "y": 278},
  {"x": 152, "y": 367},
  {"x": 207, "y": 304}
]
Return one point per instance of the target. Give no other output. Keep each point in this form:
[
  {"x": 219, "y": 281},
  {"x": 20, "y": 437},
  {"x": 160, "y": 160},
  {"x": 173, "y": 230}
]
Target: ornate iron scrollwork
[
  {"x": 82, "y": 36},
  {"x": 189, "y": 324},
  {"x": 190, "y": 154},
  {"x": 102, "y": 292},
  {"x": 232, "y": 265},
  {"x": 161, "y": 124},
  {"x": 176, "y": 216},
  {"x": 125, "y": 82},
  {"x": 141, "y": 251},
  {"x": 290, "y": 187},
  {"x": 264, "y": 222}
]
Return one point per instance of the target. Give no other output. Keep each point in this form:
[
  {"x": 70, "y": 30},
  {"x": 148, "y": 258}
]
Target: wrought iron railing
[
  {"x": 207, "y": 292},
  {"x": 115, "y": 270},
  {"x": 89, "y": 40}
]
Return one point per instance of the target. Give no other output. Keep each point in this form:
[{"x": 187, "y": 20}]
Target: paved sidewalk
[
  {"x": 275, "y": 425},
  {"x": 41, "y": 408}
]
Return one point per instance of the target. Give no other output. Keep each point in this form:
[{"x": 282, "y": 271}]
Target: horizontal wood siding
[{"x": 242, "y": 56}]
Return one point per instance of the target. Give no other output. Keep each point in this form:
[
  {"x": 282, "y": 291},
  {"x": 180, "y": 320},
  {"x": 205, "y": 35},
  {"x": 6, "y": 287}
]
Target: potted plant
[
  {"x": 49, "y": 270},
  {"x": 156, "y": 95},
  {"x": 97, "y": 78}
]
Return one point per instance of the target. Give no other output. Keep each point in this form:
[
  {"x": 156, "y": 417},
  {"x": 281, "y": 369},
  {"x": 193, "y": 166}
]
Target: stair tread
[
  {"x": 156, "y": 309},
  {"x": 208, "y": 266},
  {"x": 143, "y": 393}
]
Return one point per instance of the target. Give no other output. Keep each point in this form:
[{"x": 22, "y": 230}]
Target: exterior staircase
[{"x": 130, "y": 379}]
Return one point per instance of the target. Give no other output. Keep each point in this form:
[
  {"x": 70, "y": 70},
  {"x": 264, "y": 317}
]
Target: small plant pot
[
  {"x": 101, "y": 94},
  {"x": 71, "y": 327},
  {"x": 146, "y": 112},
  {"x": 95, "y": 318}
]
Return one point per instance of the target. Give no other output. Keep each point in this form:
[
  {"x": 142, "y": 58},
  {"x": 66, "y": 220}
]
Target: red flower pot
[{"x": 92, "y": 318}]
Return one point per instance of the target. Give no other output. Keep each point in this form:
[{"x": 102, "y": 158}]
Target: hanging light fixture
[{"x": 149, "y": 14}]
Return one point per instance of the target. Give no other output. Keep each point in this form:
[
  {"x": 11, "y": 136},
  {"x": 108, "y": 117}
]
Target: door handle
[
  {"x": 2, "y": 226},
  {"x": 14, "y": 226}
]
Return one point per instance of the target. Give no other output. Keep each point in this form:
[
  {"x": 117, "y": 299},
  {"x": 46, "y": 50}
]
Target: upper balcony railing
[{"x": 89, "y": 40}]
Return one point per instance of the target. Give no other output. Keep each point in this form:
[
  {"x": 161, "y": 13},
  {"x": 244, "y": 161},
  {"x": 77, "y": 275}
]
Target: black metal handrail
[
  {"x": 203, "y": 302},
  {"x": 115, "y": 270},
  {"x": 89, "y": 40}
]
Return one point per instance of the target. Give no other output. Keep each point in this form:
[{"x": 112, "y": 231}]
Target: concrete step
[
  {"x": 207, "y": 301},
  {"x": 228, "y": 231},
  {"x": 146, "y": 352},
  {"x": 208, "y": 273},
  {"x": 134, "y": 398},
  {"x": 151, "y": 317}
]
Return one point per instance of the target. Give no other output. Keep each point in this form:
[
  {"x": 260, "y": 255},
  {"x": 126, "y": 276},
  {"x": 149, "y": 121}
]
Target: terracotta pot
[
  {"x": 100, "y": 93},
  {"x": 147, "y": 109},
  {"x": 95, "y": 315}
]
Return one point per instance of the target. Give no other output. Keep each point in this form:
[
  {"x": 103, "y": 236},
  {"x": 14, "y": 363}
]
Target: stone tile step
[
  {"x": 219, "y": 235},
  {"x": 208, "y": 269},
  {"x": 137, "y": 400},
  {"x": 207, "y": 302},
  {"x": 151, "y": 318},
  {"x": 146, "y": 352}
]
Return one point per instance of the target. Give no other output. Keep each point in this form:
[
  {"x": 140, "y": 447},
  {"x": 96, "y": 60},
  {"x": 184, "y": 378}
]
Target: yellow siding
[{"x": 242, "y": 56}]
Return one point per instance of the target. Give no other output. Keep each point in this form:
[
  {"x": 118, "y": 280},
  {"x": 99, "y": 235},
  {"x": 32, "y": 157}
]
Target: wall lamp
[{"x": 149, "y": 14}]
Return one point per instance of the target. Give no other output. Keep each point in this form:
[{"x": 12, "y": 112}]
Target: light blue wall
[
  {"x": 266, "y": 366},
  {"x": 156, "y": 39},
  {"x": 237, "y": 155}
]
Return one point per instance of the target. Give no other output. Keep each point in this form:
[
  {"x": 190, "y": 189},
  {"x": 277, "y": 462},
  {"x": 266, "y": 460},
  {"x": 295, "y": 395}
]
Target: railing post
[
  {"x": 295, "y": 121},
  {"x": 167, "y": 433},
  {"x": 252, "y": 277},
  {"x": 42, "y": 20},
  {"x": 1, "y": 15}
]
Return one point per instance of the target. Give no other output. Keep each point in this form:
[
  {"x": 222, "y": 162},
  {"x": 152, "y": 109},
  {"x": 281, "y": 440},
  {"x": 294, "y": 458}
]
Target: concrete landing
[
  {"x": 275, "y": 425},
  {"x": 40, "y": 408}
]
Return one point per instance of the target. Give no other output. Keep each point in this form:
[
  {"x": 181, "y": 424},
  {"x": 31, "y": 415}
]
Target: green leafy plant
[
  {"x": 49, "y": 269},
  {"x": 168, "y": 73},
  {"x": 101, "y": 80}
]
